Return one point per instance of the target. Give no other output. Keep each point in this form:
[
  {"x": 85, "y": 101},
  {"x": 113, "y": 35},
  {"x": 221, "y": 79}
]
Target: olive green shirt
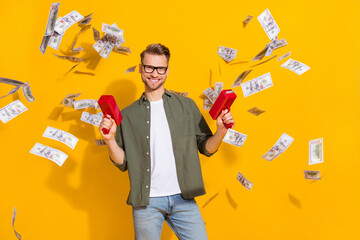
[{"x": 189, "y": 133}]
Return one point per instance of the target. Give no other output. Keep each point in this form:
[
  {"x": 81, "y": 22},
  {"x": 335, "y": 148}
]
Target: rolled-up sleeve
[
  {"x": 203, "y": 132},
  {"x": 120, "y": 141}
]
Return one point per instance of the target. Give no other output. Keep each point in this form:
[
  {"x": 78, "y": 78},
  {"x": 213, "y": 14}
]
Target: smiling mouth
[{"x": 153, "y": 80}]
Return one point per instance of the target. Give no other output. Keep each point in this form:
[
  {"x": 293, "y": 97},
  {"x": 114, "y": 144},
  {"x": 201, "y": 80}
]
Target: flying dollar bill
[
  {"x": 218, "y": 87},
  {"x": 184, "y": 94},
  {"x": 93, "y": 119},
  {"x": 131, "y": 69},
  {"x": 313, "y": 175},
  {"x": 280, "y": 43},
  {"x": 61, "y": 136},
  {"x": 121, "y": 50},
  {"x": 67, "y": 21},
  {"x": 107, "y": 50},
  {"x": 234, "y": 138},
  {"x": 256, "y": 111},
  {"x": 228, "y": 54},
  {"x": 284, "y": 56},
  {"x": 55, "y": 41},
  {"x": 210, "y": 199},
  {"x": 247, "y": 20},
  {"x": 96, "y": 34},
  {"x": 100, "y": 142},
  {"x": 44, "y": 44},
  {"x": 13, "y": 224},
  {"x": 295, "y": 66},
  {"x": 268, "y": 24},
  {"x": 24, "y": 86},
  {"x": 50, "y": 153},
  {"x": 70, "y": 58},
  {"x": 85, "y": 103},
  {"x": 12, "y": 110},
  {"x": 69, "y": 99},
  {"x": 54, "y": 9},
  {"x": 86, "y": 20},
  {"x": 111, "y": 29},
  {"x": 246, "y": 183},
  {"x": 280, "y": 146},
  {"x": 257, "y": 84},
  {"x": 316, "y": 151},
  {"x": 207, "y": 104},
  {"x": 210, "y": 94},
  {"x": 240, "y": 78}
]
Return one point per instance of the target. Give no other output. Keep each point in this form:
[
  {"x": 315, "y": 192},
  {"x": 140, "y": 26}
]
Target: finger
[
  {"x": 222, "y": 114},
  {"x": 227, "y": 115}
]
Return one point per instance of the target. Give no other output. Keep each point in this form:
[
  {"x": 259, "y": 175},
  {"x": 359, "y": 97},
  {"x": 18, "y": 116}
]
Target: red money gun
[
  {"x": 224, "y": 101},
  {"x": 108, "y": 106}
]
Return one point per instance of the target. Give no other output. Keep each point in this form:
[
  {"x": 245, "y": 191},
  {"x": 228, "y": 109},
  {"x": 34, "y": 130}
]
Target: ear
[
  {"x": 140, "y": 68},
  {"x": 167, "y": 72}
]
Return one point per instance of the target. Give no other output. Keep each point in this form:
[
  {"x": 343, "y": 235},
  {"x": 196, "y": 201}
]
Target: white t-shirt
[{"x": 164, "y": 180}]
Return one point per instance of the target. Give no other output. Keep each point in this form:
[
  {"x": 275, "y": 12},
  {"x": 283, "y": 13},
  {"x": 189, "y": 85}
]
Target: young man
[{"x": 158, "y": 142}]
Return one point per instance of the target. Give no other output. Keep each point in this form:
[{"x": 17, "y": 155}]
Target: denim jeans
[{"x": 183, "y": 217}]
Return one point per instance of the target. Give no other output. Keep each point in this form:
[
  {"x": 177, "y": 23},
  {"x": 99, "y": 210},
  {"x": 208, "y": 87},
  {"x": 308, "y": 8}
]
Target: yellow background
[{"x": 85, "y": 198}]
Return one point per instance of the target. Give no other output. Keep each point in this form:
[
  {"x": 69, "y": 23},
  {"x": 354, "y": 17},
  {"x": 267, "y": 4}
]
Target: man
[{"x": 158, "y": 142}]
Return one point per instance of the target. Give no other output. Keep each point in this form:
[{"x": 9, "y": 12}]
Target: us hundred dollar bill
[
  {"x": 100, "y": 142},
  {"x": 54, "y": 9},
  {"x": 295, "y": 66},
  {"x": 280, "y": 146},
  {"x": 50, "y": 153},
  {"x": 228, "y": 54},
  {"x": 131, "y": 69},
  {"x": 13, "y": 224},
  {"x": 218, "y": 88},
  {"x": 240, "y": 78},
  {"x": 107, "y": 50},
  {"x": 111, "y": 29},
  {"x": 313, "y": 175},
  {"x": 246, "y": 183},
  {"x": 85, "y": 103},
  {"x": 93, "y": 119},
  {"x": 234, "y": 138},
  {"x": 268, "y": 24},
  {"x": 210, "y": 94},
  {"x": 256, "y": 111},
  {"x": 284, "y": 56},
  {"x": 61, "y": 136},
  {"x": 257, "y": 84},
  {"x": 316, "y": 151},
  {"x": 12, "y": 110}
]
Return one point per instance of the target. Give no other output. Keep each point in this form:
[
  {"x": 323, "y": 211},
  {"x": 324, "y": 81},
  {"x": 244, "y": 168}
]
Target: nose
[{"x": 154, "y": 73}]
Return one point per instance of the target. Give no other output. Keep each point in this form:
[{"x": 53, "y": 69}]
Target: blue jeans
[{"x": 183, "y": 217}]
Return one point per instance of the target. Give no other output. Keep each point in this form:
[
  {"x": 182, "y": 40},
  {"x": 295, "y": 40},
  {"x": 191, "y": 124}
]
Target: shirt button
[
  {"x": 147, "y": 153},
  {"x": 147, "y": 137},
  {"x": 147, "y": 106},
  {"x": 147, "y": 186},
  {"x": 148, "y": 170},
  {"x": 147, "y": 122}
]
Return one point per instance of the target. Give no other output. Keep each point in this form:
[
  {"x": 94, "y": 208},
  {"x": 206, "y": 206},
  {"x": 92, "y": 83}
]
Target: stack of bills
[{"x": 113, "y": 38}]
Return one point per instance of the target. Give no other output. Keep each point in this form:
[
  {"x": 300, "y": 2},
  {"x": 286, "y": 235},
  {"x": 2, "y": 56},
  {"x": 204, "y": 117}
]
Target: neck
[{"x": 154, "y": 95}]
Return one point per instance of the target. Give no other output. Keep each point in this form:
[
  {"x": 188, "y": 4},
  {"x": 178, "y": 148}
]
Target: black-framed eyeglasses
[{"x": 150, "y": 69}]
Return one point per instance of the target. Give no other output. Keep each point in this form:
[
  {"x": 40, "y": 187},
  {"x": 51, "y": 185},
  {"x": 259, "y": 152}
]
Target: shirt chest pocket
[{"x": 186, "y": 125}]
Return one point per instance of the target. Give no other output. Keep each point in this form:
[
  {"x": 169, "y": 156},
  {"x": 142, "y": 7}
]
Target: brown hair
[{"x": 156, "y": 49}]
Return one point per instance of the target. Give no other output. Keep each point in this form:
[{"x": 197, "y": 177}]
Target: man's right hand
[{"x": 110, "y": 124}]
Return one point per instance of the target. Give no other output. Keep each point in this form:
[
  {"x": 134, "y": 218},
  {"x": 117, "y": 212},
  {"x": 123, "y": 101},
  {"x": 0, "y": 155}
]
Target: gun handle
[
  {"x": 230, "y": 124},
  {"x": 105, "y": 130}
]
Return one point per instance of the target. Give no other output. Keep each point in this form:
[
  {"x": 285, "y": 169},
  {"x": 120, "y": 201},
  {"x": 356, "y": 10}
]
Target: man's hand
[
  {"x": 109, "y": 124},
  {"x": 225, "y": 117}
]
